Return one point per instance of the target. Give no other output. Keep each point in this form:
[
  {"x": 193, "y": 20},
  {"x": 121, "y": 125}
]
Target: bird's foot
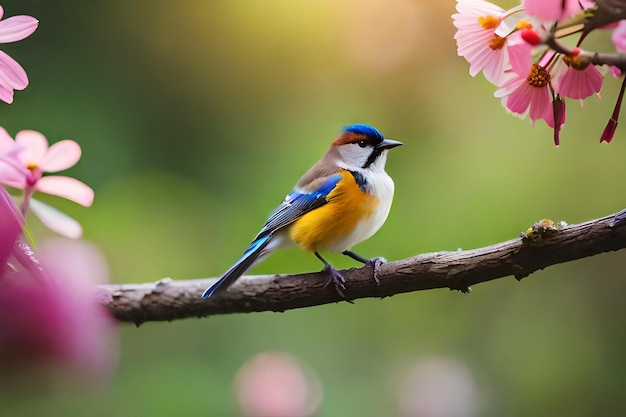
[
  {"x": 375, "y": 265},
  {"x": 338, "y": 280}
]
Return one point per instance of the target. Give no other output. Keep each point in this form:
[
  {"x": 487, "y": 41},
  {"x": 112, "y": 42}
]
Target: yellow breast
[{"x": 347, "y": 206}]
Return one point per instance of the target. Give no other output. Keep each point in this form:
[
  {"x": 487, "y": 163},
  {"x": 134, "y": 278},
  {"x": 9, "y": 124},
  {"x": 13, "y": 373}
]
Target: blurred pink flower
[
  {"x": 553, "y": 10},
  {"x": 477, "y": 40},
  {"x": 439, "y": 386},
  {"x": 49, "y": 318},
  {"x": 275, "y": 384},
  {"x": 619, "y": 36},
  {"x": 31, "y": 152},
  {"x": 12, "y": 75}
]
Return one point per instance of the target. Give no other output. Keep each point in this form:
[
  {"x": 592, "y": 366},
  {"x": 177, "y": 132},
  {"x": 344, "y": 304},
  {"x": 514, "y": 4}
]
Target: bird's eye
[{"x": 362, "y": 143}]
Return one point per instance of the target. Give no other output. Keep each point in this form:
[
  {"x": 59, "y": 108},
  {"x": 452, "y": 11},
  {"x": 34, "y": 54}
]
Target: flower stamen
[
  {"x": 577, "y": 62},
  {"x": 497, "y": 42},
  {"x": 488, "y": 22},
  {"x": 538, "y": 77}
]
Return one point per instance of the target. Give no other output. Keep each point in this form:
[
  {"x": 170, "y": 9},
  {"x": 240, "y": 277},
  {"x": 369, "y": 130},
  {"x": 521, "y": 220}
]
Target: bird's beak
[{"x": 388, "y": 144}]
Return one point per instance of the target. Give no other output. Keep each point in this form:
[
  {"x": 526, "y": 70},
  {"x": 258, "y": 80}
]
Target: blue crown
[{"x": 367, "y": 130}]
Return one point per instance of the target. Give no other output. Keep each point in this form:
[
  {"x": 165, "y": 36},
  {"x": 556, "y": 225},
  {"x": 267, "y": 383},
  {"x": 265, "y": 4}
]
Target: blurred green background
[{"x": 197, "y": 117}]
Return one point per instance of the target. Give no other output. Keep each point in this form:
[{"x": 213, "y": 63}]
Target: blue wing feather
[{"x": 295, "y": 205}]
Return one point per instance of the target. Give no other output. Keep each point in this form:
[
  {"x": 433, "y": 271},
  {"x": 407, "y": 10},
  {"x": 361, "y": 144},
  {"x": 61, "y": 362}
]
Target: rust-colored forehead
[{"x": 351, "y": 137}]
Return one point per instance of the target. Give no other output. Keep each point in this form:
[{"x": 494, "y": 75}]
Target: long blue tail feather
[{"x": 242, "y": 265}]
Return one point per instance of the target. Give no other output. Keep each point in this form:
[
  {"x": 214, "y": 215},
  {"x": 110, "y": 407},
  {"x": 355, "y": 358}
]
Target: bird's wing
[{"x": 298, "y": 203}]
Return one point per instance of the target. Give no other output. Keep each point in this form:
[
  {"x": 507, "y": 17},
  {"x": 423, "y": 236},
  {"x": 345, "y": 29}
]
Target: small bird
[{"x": 341, "y": 201}]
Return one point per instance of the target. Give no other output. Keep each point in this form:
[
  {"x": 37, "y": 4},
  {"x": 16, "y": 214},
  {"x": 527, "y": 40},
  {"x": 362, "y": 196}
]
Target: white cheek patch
[{"x": 353, "y": 156}]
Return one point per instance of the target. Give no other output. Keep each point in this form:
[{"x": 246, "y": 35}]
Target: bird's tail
[{"x": 242, "y": 265}]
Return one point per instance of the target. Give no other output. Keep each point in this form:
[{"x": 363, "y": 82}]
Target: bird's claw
[
  {"x": 338, "y": 280},
  {"x": 375, "y": 264}
]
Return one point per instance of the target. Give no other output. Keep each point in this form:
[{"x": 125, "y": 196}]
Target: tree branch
[
  {"x": 606, "y": 12},
  {"x": 542, "y": 245},
  {"x": 616, "y": 59}
]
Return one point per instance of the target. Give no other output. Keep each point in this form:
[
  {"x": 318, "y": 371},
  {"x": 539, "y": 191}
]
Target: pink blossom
[
  {"x": 12, "y": 75},
  {"x": 577, "y": 83},
  {"x": 477, "y": 40},
  {"x": 528, "y": 92},
  {"x": 31, "y": 152},
  {"x": 531, "y": 92},
  {"x": 35, "y": 155},
  {"x": 555, "y": 10}
]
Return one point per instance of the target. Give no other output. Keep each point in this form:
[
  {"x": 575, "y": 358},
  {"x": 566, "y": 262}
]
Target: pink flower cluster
[
  {"x": 507, "y": 46},
  {"x": 49, "y": 318}
]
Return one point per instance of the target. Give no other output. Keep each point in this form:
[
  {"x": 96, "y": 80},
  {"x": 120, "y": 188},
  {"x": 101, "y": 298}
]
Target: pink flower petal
[
  {"x": 552, "y": 10},
  {"x": 541, "y": 105},
  {"x": 7, "y": 144},
  {"x": 35, "y": 146},
  {"x": 11, "y": 223},
  {"x": 6, "y": 93},
  {"x": 520, "y": 54},
  {"x": 510, "y": 86},
  {"x": 619, "y": 36},
  {"x": 520, "y": 99},
  {"x": 61, "y": 155},
  {"x": 12, "y": 173},
  {"x": 12, "y": 177},
  {"x": 66, "y": 187},
  {"x": 12, "y": 75},
  {"x": 56, "y": 220},
  {"x": 17, "y": 28}
]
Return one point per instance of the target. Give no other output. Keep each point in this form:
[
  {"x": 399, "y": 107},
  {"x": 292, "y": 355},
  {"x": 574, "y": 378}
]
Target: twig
[
  {"x": 542, "y": 246},
  {"x": 616, "y": 59}
]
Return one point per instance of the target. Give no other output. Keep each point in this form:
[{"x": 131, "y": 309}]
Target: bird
[{"x": 339, "y": 202}]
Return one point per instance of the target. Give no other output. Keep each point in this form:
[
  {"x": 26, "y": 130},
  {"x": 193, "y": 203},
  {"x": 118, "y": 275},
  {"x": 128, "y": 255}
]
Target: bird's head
[{"x": 362, "y": 147}]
